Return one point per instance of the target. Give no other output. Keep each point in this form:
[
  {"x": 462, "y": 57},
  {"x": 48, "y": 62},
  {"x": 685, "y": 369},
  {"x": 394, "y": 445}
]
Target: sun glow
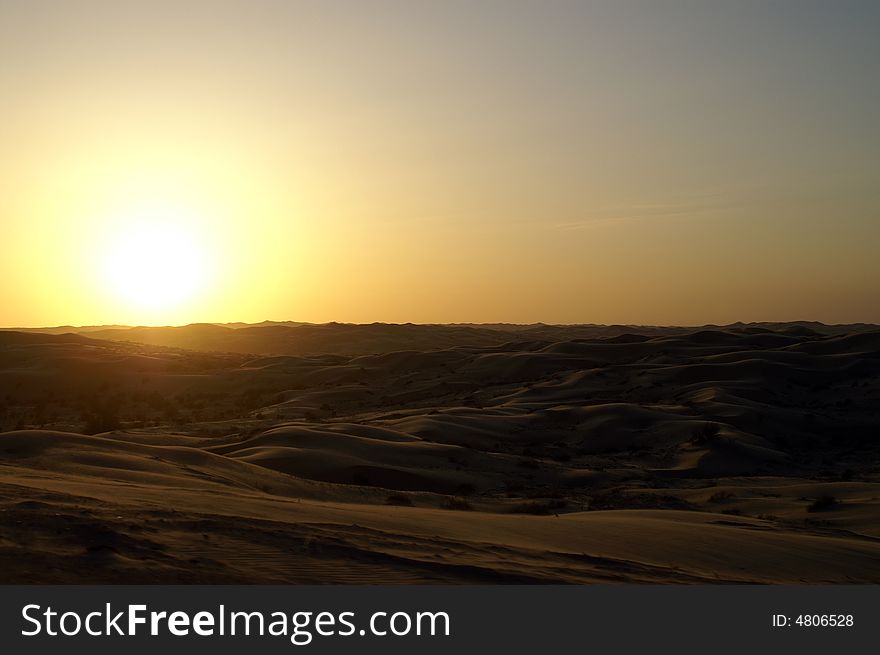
[{"x": 155, "y": 260}]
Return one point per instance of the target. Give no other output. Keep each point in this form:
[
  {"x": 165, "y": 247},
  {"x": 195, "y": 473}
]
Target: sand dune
[{"x": 467, "y": 454}]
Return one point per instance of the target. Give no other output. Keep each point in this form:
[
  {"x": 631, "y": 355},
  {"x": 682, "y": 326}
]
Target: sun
[{"x": 155, "y": 260}]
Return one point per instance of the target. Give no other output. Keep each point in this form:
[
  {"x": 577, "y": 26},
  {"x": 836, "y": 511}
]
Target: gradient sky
[{"x": 606, "y": 162}]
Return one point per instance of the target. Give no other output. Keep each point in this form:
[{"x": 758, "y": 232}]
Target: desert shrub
[
  {"x": 720, "y": 496},
  {"x": 398, "y": 499},
  {"x": 526, "y": 463},
  {"x": 706, "y": 434},
  {"x": 459, "y": 504},
  {"x": 823, "y": 503}
]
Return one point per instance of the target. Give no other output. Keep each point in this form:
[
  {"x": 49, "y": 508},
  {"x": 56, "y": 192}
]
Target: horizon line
[{"x": 434, "y": 324}]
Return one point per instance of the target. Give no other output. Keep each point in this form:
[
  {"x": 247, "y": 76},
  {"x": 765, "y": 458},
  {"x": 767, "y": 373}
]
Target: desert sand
[{"x": 296, "y": 453}]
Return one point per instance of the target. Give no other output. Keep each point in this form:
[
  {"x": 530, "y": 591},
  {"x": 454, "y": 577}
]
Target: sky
[{"x": 655, "y": 162}]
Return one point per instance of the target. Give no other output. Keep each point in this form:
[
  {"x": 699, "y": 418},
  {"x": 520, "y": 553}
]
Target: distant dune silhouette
[{"x": 292, "y": 338}]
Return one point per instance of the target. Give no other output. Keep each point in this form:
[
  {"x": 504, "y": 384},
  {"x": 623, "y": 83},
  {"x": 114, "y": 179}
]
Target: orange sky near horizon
[{"x": 586, "y": 162}]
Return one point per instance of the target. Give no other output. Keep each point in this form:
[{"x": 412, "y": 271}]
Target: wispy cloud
[{"x": 699, "y": 204}]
